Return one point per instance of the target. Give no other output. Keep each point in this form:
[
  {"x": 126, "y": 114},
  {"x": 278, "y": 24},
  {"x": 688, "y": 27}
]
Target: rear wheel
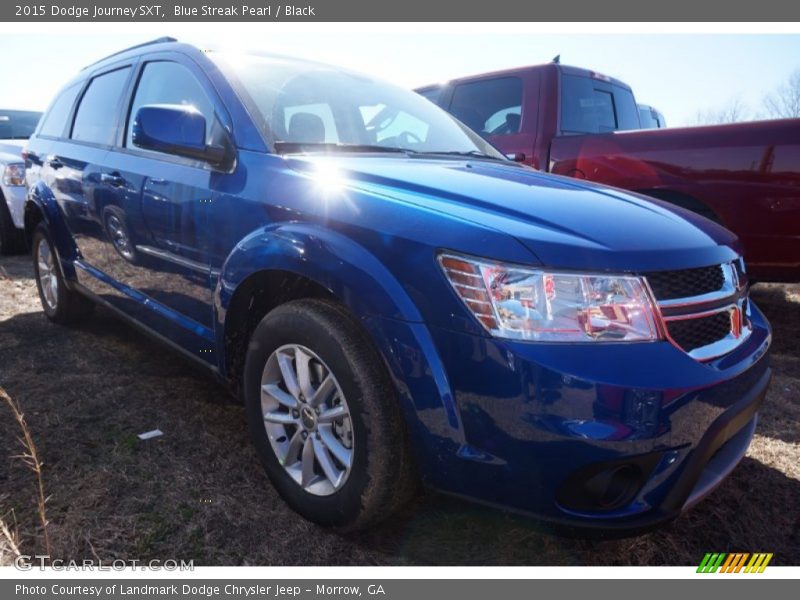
[
  {"x": 60, "y": 304},
  {"x": 324, "y": 416}
]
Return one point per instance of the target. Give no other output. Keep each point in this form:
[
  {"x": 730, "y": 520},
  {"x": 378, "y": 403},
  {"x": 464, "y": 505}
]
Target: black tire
[
  {"x": 382, "y": 477},
  {"x": 69, "y": 306},
  {"x": 12, "y": 240}
]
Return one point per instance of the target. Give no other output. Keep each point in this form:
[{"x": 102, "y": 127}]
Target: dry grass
[
  {"x": 199, "y": 493},
  {"x": 9, "y": 543},
  {"x": 30, "y": 457}
]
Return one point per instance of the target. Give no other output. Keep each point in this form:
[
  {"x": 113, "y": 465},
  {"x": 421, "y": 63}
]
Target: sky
[{"x": 680, "y": 74}]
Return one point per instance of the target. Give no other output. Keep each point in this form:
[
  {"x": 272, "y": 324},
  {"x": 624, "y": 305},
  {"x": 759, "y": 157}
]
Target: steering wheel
[{"x": 408, "y": 138}]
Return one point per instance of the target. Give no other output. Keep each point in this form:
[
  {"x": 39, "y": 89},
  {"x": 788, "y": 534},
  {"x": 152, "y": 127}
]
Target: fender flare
[
  {"x": 368, "y": 289},
  {"x": 345, "y": 268},
  {"x": 41, "y": 198}
]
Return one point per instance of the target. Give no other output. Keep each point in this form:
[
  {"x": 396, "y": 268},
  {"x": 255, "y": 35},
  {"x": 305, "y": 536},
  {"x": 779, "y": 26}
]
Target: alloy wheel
[
  {"x": 307, "y": 419},
  {"x": 48, "y": 277}
]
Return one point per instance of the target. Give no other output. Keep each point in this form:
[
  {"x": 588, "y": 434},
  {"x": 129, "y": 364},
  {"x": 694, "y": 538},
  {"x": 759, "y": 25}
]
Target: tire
[
  {"x": 60, "y": 304},
  {"x": 380, "y": 477},
  {"x": 12, "y": 240}
]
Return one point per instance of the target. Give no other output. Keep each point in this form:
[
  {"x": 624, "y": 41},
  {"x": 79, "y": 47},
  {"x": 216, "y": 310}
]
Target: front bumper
[{"x": 523, "y": 422}]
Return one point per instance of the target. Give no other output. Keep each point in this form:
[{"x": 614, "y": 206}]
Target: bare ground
[{"x": 199, "y": 493}]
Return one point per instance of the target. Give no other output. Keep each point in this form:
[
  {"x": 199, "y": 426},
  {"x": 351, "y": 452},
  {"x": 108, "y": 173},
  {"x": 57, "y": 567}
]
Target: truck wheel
[
  {"x": 324, "y": 416},
  {"x": 12, "y": 240},
  {"x": 61, "y": 305}
]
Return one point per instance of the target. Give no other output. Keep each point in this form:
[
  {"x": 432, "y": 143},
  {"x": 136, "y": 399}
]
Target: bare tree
[
  {"x": 784, "y": 102},
  {"x": 734, "y": 111}
]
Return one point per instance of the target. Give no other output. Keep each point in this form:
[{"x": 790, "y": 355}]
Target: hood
[
  {"x": 11, "y": 150},
  {"x": 563, "y": 222}
]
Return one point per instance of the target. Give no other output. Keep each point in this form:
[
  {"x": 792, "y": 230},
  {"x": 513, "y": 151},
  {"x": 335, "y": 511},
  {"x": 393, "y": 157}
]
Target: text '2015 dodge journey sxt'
[{"x": 393, "y": 300}]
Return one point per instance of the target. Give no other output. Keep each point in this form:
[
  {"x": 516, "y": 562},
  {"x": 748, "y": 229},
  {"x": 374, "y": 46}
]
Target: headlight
[
  {"x": 549, "y": 306},
  {"x": 14, "y": 174}
]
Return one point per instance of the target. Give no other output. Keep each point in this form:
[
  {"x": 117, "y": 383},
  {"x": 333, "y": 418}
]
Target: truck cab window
[
  {"x": 490, "y": 106},
  {"x": 590, "y": 106}
]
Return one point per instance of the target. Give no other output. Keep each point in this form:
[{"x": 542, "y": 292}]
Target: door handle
[
  {"x": 54, "y": 162},
  {"x": 112, "y": 179},
  {"x": 157, "y": 181}
]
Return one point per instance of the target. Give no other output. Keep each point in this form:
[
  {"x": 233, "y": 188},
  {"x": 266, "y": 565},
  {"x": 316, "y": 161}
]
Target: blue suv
[{"x": 393, "y": 300}]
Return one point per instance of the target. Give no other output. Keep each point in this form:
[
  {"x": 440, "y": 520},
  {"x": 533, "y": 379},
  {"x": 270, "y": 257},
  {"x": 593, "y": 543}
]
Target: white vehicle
[{"x": 16, "y": 126}]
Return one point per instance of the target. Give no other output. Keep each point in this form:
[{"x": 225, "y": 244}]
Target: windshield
[
  {"x": 306, "y": 106},
  {"x": 17, "y": 124}
]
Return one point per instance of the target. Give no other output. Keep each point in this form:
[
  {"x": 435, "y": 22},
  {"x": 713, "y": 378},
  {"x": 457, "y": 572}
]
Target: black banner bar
[
  {"x": 405, "y": 10},
  {"x": 732, "y": 587}
]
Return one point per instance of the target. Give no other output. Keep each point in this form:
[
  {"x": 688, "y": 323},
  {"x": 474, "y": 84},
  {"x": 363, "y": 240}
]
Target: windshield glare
[{"x": 307, "y": 104}]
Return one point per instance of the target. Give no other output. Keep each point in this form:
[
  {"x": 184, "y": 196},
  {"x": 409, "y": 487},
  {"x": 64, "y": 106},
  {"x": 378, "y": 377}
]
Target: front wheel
[{"x": 324, "y": 416}]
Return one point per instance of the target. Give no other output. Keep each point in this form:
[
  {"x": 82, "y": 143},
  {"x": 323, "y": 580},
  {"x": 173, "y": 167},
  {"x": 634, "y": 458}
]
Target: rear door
[{"x": 73, "y": 167}]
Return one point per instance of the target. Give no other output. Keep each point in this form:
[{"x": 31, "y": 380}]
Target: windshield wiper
[
  {"x": 294, "y": 147},
  {"x": 465, "y": 153}
]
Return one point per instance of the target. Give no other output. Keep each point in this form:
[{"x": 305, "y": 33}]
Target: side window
[
  {"x": 310, "y": 123},
  {"x": 96, "y": 118},
  {"x": 627, "y": 113},
  {"x": 55, "y": 120},
  {"x": 490, "y": 106},
  {"x": 591, "y": 107},
  {"x": 603, "y": 109},
  {"x": 431, "y": 93},
  {"x": 164, "y": 82}
]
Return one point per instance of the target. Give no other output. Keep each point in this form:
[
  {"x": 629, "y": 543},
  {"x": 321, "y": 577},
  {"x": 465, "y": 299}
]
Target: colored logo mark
[{"x": 735, "y": 562}]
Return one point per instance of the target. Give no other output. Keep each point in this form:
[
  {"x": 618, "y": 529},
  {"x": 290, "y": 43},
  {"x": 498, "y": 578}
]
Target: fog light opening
[{"x": 615, "y": 487}]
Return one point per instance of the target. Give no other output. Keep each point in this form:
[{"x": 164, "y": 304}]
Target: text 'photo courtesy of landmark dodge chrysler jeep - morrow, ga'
[
  {"x": 582, "y": 124},
  {"x": 393, "y": 300}
]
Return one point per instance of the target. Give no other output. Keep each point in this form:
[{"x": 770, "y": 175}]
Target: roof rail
[{"x": 161, "y": 40}]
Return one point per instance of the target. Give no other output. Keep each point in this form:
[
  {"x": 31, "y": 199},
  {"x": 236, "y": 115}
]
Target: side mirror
[
  {"x": 176, "y": 129},
  {"x": 516, "y": 156}
]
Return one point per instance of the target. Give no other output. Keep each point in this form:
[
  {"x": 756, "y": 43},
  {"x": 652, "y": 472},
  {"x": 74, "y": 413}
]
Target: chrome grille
[
  {"x": 686, "y": 283},
  {"x": 704, "y": 311},
  {"x": 691, "y": 334}
]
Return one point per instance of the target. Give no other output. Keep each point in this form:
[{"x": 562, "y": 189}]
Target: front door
[{"x": 159, "y": 227}]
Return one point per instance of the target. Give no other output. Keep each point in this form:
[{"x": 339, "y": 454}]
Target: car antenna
[{"x": 556, "y": 59}]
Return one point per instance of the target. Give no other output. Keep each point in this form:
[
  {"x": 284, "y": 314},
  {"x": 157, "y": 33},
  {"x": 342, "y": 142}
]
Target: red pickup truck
[{"x": 579, "y": 123}]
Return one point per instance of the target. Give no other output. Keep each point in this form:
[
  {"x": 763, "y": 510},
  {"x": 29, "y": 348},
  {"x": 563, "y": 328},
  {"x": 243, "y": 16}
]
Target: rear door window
[
  {"x": 489, "y": 106},
  {"x": 98, "y": 111}
]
